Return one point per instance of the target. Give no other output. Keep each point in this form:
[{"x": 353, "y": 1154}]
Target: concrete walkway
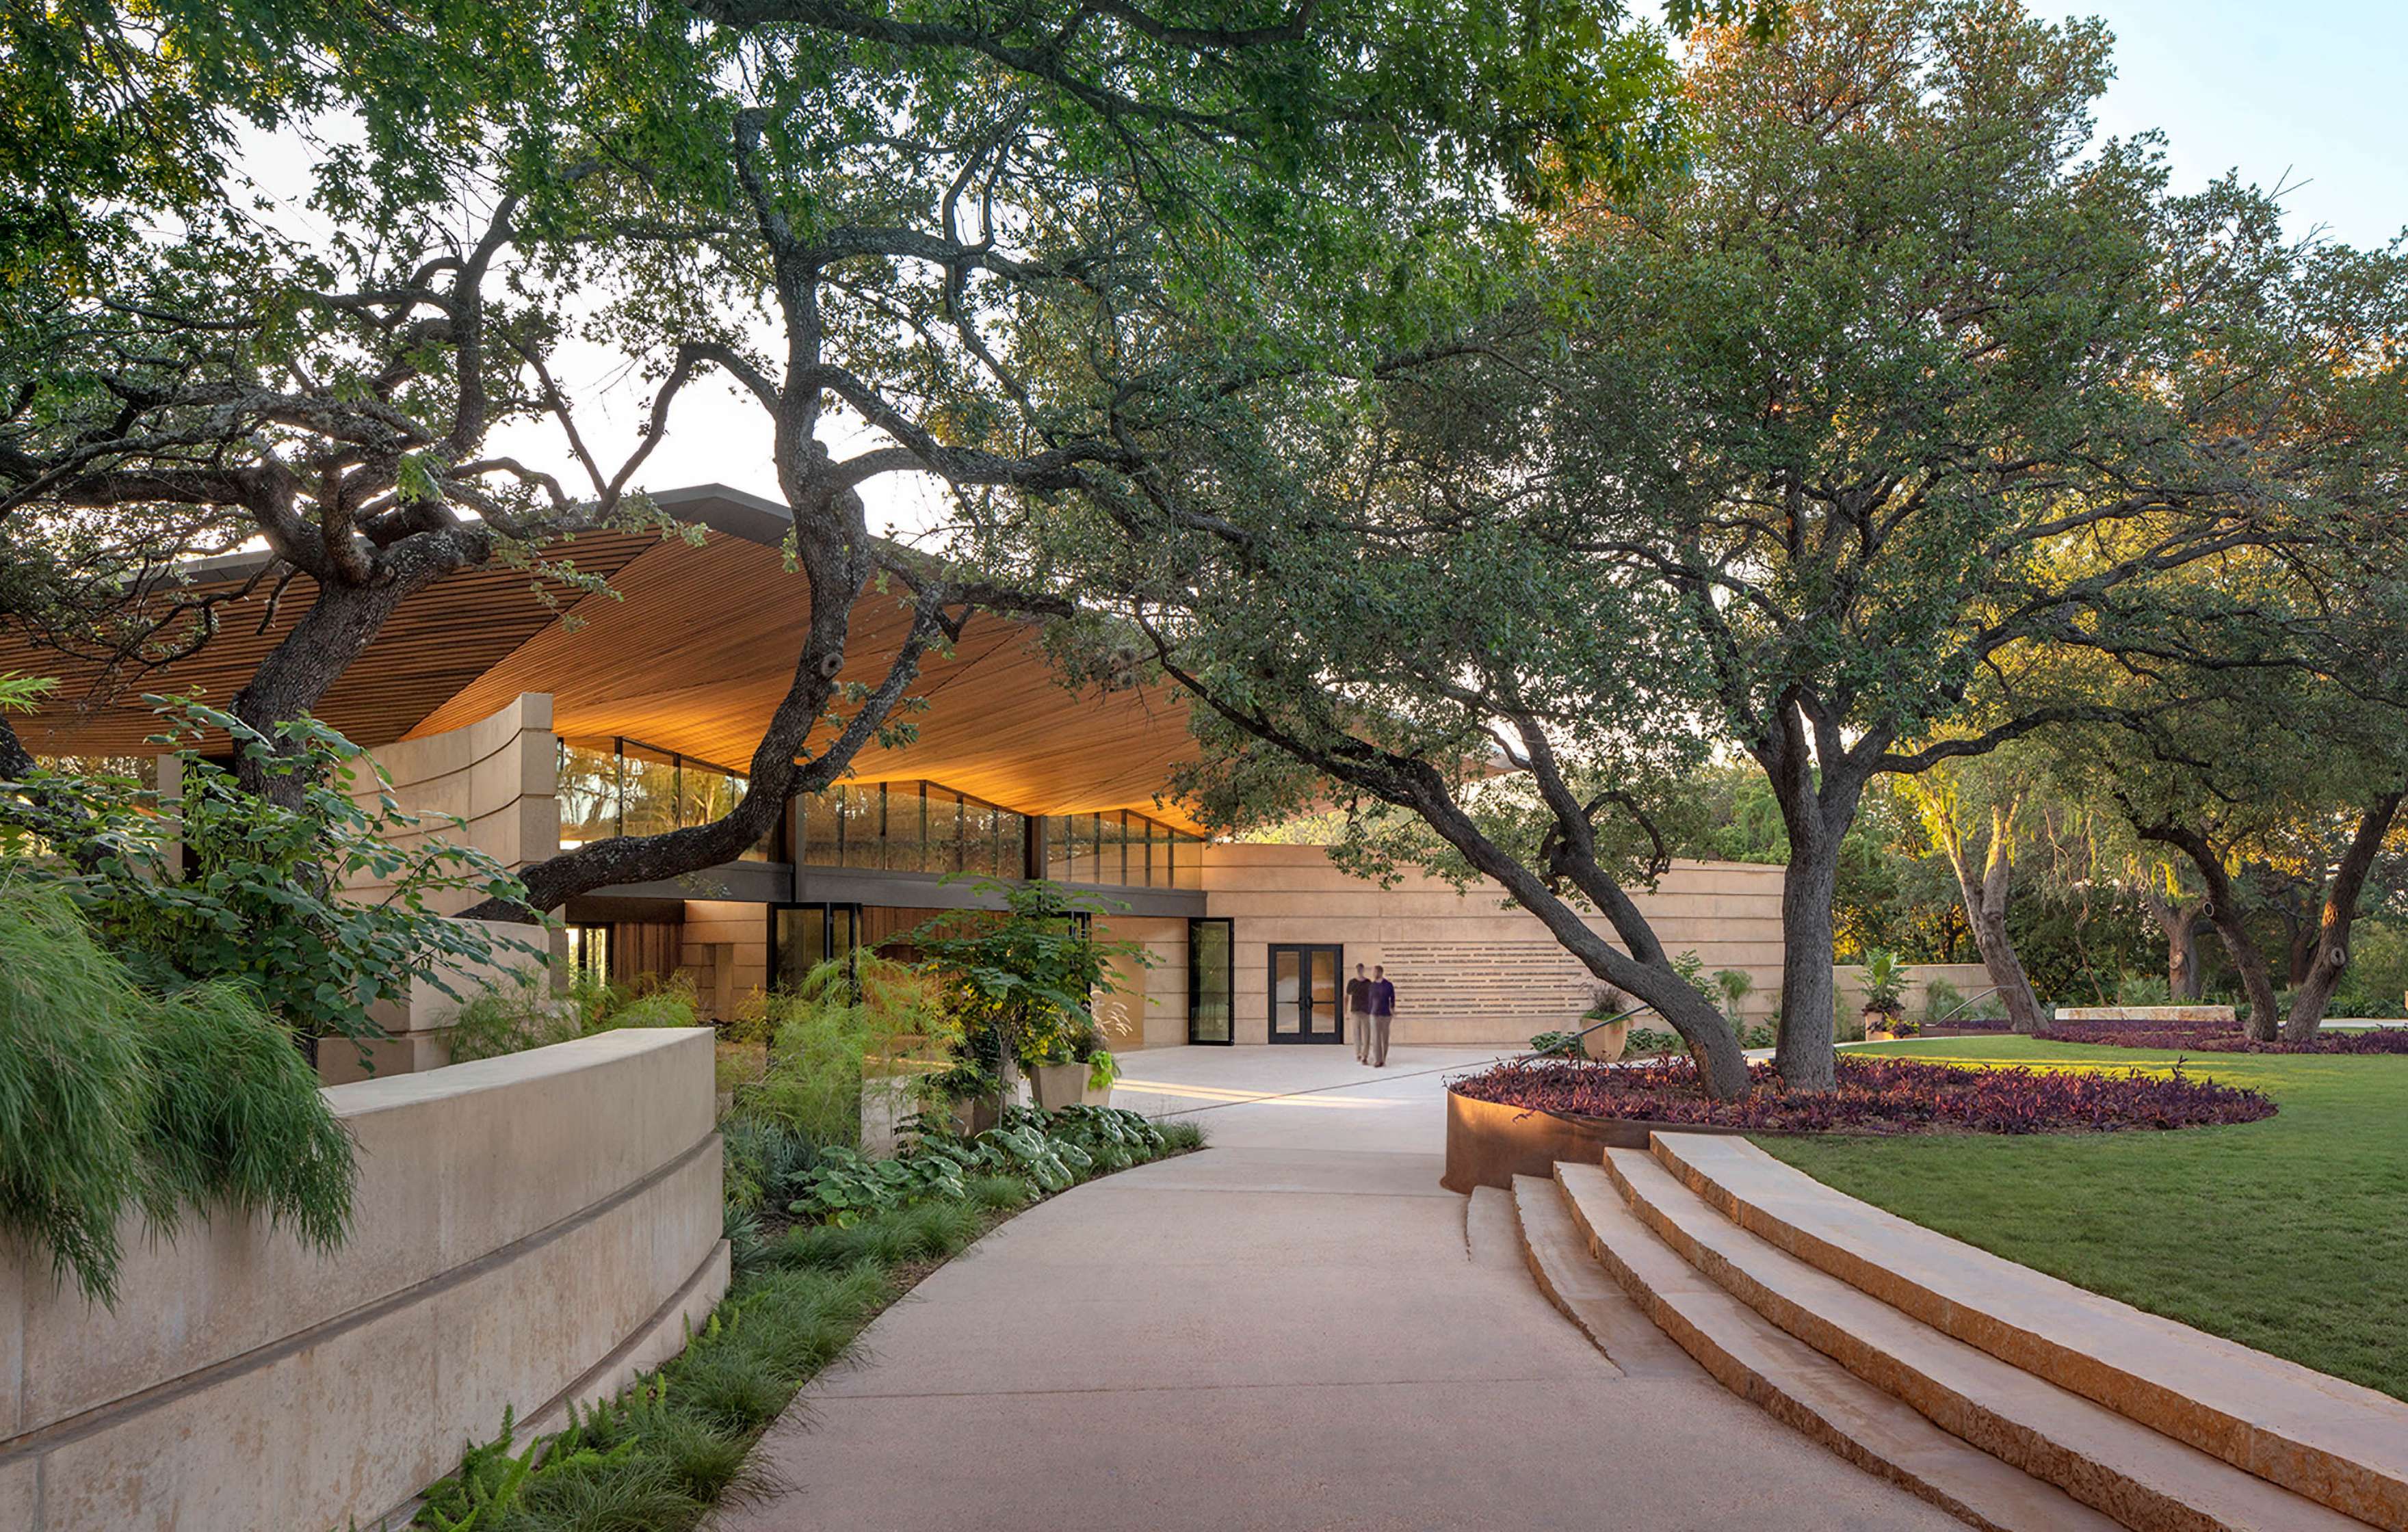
[{"x": 1286, "y": 1331}]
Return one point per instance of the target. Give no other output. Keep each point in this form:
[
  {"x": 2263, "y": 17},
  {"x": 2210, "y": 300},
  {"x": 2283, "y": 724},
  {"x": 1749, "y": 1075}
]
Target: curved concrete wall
[{"x": 529, "y": 1231}]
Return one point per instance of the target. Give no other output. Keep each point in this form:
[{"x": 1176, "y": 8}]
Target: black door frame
[
  {"x": 1305, "y": 950},
  {"x": 1228, "y": 979},
  {"x": 826, "y": 909}
]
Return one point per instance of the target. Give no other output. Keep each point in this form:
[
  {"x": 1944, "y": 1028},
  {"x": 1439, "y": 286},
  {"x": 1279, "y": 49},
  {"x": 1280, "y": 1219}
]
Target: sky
[
  {"x": 2309, "y": 94},
  {"x": 2312, "y": 92}
]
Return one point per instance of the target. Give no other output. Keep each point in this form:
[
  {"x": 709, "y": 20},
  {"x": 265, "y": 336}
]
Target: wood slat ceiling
[
  {"x": 699, "y": 644},
  {"x": 435, "y": 643},
  {"x": 690, "y": 654}
]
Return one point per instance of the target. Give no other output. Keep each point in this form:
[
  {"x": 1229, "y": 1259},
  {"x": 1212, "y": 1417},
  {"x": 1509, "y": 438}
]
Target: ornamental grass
[{"x": 1877, "y": 1095}]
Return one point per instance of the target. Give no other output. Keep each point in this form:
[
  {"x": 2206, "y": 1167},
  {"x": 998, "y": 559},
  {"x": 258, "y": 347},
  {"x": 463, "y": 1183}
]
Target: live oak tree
[
  {"x": 1975, "y": 814},
  {"x": 1903, "y": 387},
  {"x": 944, "y": 231}
]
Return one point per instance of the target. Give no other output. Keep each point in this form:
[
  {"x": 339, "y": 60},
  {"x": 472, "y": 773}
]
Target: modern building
[{"x": 544, "y": 724}]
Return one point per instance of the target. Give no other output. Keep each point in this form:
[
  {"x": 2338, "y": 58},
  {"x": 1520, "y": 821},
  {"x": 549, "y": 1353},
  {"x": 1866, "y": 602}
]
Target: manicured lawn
[{"x": 2289, "y": 1234}]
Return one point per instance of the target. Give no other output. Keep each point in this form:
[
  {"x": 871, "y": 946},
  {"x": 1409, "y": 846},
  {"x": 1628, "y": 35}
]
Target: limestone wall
[
  {"x": 1468, "y": 969},
  {"x": 529, "y": 1231},
  {"x": 498, "y": 775}
]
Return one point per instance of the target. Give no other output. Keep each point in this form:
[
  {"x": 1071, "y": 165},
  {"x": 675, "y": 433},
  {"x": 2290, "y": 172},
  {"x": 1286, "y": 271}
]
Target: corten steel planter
[
  {"x": 1058, "y": 1085},
  {"x": 1489, "y": 1144},
  {"x": 1605, "y": 1044}
]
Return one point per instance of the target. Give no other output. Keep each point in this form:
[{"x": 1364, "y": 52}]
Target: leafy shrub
[
  {"x": 2144, "y": 989},
  {"x": 842, "y": 1187},
  {"x": 1942, "y": 1002},
  {"x": 261, "y": 899},
  {"x": 1024, "y": 985},
  {"x": 509, "y": 1016},
  {"x": 1565, "y": 1045},
  {"x": 1647, "y": 1041},
  {"x": 113, "y": 1099},
  {"x": 1878, "y": 1095}
]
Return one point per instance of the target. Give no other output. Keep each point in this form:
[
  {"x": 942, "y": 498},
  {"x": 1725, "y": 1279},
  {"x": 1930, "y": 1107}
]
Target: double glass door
[{"x": 1308, "y": 996}]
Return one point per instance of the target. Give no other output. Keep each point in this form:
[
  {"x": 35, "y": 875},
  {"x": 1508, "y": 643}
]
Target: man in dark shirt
[
  {"x": 1383, "y": 1006},
  {"x": 1358, "y": 1013}
]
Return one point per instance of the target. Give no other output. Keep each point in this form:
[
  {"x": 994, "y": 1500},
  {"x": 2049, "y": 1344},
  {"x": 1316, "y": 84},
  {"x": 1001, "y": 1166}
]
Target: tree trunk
[
  {"x": 2179, "y": 920},
  {"x": 1643, "y": 970},
  {"x": 292, "y": 679},
  {"x": 2223, "y": 913},
  {"x": 1804, "y": 1052},
  {"x": 2331, "y": 954},
  {"x": 1985, "y": 908}
]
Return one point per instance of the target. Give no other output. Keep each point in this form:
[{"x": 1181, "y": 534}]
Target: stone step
[
  {"x": 1490, "y": 1236},
  {"x": 2332, "y": 1442},
  {"x": 2143, "y": 1479},
  {"x": 1569, "y": 1274},
  {"x": 1798, "y": 1384}
]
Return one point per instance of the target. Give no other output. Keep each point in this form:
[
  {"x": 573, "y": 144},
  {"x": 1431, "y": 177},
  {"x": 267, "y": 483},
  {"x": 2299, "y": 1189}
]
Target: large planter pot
[
  {"x": 1605, "y": 1044},
  {"x": 1877, "y": 1026},
  {"x": 1058, "y": 1085},
  {"x": 973, "y": 1114},
  {"x": 1093, "y": 1096}
]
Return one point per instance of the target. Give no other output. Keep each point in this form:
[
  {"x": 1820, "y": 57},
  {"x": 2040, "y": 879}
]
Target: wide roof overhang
[{"x": 690, "y": 651}]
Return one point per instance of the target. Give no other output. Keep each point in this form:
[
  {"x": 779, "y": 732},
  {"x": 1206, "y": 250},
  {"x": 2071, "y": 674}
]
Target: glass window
[
  {"x": 978, "y": 838},
  {"x": 860, "y": 810},
  {"x": 906, "y": 829},
  {"x": 1210, "y": 981},
  {"x": 588, "y": 793},
  {"x": 943, "y": 809},
  {"x": 817, "y": 828},
  {"x": 1061, "y": 844},
  {"x": 647, "y": 791}
]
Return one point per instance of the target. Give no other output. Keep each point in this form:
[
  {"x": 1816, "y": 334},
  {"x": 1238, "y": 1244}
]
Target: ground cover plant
[
  {"x": 824, "y": 1240},
  {"x": 2211, "y": 1038},
  {"x": 1876, "y": 1097},
  {"x": 2283, "y": 1234}
]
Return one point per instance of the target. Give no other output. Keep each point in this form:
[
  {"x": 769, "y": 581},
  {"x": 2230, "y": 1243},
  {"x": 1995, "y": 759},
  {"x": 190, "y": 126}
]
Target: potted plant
[
  {"x": 1885, "y": 999},
  {"x": 1023, "y": 982},
  {"x": 968, "y": 1093},
  {"x": 1102, "y": 1069},
  {"x": 1606, "y": 1025}
]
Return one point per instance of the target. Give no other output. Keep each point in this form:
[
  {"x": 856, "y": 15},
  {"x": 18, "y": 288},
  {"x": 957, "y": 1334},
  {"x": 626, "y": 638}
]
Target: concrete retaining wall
[{"x": 529, "y": 1231}]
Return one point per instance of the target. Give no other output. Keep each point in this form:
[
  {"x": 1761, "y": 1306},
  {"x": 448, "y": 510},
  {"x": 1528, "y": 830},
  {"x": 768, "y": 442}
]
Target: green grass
[{"x": 2289, "y": 1234}]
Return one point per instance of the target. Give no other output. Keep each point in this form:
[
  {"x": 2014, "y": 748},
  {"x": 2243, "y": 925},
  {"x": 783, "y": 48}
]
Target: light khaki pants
[
  {"x": 1377, "y": 1029},
  {"x": 1360, "y": 1020}
]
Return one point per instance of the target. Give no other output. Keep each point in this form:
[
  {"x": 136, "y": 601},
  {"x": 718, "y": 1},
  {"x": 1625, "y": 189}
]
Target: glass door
[
  {"x": 804, "y": 936},
  {"x": 1306, "y": 996},
  {"x": 1211, "y": 983}
]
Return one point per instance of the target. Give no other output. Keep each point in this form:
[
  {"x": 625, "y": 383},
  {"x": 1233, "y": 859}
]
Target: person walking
[
  {"x": 1383, "y": 1006},
  {"x": 1358, "y": 1013}
]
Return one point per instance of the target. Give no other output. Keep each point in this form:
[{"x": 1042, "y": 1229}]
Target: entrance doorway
[
  {"x": 1308, "y": 997},
  {"x": 804, "y": 936}
]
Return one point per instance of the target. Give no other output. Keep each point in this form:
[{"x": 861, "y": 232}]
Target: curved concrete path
[{"x": 1286, "y": 1331}]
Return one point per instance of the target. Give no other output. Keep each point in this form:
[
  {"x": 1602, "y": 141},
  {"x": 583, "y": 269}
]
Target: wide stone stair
[{"x": 2008, "y": 1398}]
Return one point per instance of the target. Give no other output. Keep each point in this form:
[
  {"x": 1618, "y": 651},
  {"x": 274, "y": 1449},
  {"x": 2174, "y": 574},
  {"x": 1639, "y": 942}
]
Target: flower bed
[
  {"x": 2220, "y": 1040},
  {"x": 1880, "y": 1096}
]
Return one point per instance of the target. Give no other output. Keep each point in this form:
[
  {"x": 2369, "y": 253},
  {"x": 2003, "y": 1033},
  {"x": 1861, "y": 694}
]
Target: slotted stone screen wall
[{"x": 1469, "y": 969}]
